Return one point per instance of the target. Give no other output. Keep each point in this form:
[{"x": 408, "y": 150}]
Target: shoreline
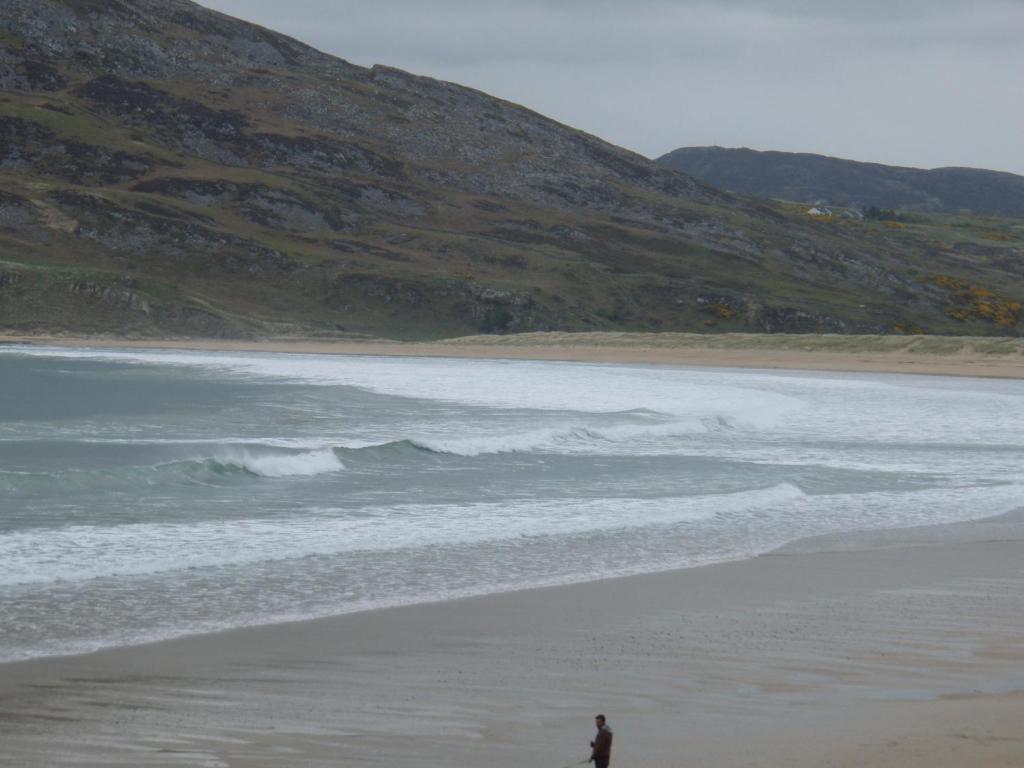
[
  {"x": 897, "y": 647},
  {"x": 829, "y": 641},
  {"x": 917, "y": 535},
  {"x": 951, "y": 356}
]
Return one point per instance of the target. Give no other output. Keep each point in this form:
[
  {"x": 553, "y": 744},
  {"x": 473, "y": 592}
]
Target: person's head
[{"x": 599, "y": 720}]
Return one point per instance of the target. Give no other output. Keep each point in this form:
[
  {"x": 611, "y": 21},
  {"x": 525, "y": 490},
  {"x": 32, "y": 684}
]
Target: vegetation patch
[
  {"x": 909, "y": 329},
  {"x": 972, "y": 302},
  {"x": 231, "y": 180}
]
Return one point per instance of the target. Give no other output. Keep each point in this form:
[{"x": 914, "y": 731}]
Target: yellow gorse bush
[{"x": 973, "y": 303}]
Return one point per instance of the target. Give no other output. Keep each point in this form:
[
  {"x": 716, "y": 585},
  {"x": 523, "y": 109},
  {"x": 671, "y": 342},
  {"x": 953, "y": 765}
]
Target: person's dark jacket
[{"x": 602, "y": 744}]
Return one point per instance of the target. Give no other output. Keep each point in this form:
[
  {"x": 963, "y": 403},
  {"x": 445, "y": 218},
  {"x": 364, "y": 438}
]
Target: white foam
[
  {"x": 562, "y": 439},
  {"x": 75, "y": 553},
  {"x": 963, "y": 434},
  {"x": 493, "y": 383},
  {"x": 284, "y": 464},
  {"x": 517, "y": 442},
  {"x": 785, "y": 503},
  {"x": 852, "y": 407}
]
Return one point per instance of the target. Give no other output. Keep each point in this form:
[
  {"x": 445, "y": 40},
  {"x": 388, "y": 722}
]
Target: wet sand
[
  {"x": 893, "y": 649},
  {"x": 949, "y": 356}
]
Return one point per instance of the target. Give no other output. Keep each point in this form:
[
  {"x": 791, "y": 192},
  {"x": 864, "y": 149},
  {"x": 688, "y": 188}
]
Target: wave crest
[{"x": 304, "y": 464}]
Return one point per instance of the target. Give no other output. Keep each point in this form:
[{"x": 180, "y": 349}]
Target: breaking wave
[
  {"x": 304, "y": 464},
  {"x": 231, "y": 463}
]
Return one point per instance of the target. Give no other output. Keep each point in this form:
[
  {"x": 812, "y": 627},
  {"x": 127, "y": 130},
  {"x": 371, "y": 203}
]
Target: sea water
[{"x": 152, "y": 494}]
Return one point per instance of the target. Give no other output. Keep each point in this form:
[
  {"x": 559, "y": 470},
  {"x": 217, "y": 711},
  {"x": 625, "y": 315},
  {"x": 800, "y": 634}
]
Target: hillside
[
  {"x": 811, "y": 178},
  {"x": 168, "y": 170}
]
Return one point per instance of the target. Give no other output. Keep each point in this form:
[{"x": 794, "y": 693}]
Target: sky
[{"x": 924, "y": 83}]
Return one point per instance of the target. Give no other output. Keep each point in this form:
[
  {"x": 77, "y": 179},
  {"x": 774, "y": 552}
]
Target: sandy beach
[
  {"x": 412, "y": 385},
  {"x": 995, "y": 357},
  {"x": 895, "y": 649}
]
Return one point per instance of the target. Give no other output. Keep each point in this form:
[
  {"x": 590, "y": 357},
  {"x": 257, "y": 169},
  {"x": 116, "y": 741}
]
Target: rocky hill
[
  {"x": 168, "y": 170},
  {"x": 811, "y": 178}
]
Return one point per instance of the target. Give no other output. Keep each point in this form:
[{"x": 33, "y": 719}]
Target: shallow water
[{"x": 146, "y": 495}]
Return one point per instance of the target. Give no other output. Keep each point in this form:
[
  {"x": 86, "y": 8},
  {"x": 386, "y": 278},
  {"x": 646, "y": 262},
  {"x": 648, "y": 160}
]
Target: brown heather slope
[{"x": 168, "y": 170}]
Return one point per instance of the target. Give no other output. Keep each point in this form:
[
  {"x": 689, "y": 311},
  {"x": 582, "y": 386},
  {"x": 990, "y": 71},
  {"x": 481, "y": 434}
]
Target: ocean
[{"x": 146, "y": 495}]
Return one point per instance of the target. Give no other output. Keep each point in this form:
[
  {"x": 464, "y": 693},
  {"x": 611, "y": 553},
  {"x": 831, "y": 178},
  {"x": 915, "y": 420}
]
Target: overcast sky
[{"x": 909, "y": 82}]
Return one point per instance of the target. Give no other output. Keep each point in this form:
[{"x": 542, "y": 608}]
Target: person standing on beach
[{"x": 601, "y": 746}]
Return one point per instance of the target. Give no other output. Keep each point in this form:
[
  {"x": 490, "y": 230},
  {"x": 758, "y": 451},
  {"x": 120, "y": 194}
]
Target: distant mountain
[
  {"x": 809, "y": 178},
  {"x": 169, "y": 170}
]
